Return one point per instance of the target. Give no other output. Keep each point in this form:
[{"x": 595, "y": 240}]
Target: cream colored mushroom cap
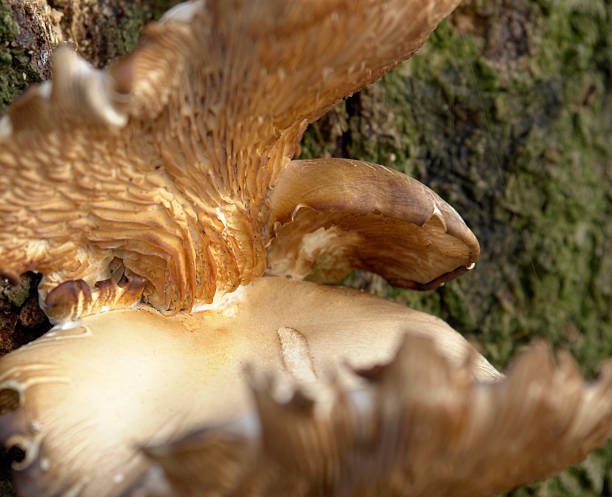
[{"x": 86, "y": 398}]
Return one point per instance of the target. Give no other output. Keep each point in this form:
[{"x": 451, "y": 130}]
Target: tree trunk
[{"x": 506, "y": 112}]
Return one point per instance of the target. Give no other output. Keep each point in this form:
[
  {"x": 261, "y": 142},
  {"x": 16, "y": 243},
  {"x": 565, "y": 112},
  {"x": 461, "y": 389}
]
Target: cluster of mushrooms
[{"x": 195, "y": 349}]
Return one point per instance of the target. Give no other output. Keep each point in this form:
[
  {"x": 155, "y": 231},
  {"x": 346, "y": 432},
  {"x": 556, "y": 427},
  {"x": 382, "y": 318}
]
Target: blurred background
[{"x": 506, "y": 112}]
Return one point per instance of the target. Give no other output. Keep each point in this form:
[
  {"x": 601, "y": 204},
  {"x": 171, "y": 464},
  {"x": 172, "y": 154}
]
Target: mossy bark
[
  {"x": 506, "y": 112},
  {"x": 100, "y": 30}
]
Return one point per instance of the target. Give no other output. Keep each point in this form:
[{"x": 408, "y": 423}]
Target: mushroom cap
[
  {"x": 422, "y": 427},
  {"x": 329, "y": 216},
  {"x": 165, "y": 160},
  {"x": 79, "y": 402}
]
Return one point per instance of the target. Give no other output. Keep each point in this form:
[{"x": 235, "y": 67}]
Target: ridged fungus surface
[{"x": 161, "y": 203}]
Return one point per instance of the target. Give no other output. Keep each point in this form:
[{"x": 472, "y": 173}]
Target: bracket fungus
[{"x": 174, "y": 232}]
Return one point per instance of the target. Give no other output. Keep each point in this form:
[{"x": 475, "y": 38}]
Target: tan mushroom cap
[
  {"x": 423, "y": 427},
  {"x": 88, "y": 396},
  {"x": 164, "y": 161},
  {"x": 329, "y": 216}
]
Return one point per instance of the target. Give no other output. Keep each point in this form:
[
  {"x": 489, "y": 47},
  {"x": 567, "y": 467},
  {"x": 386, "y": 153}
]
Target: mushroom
[
  {"x": 160, "y": 201},
  {"x": 420, "y": 426},
  {"x": 88, "y": 396},
  {"x": 329, "y": 216}
]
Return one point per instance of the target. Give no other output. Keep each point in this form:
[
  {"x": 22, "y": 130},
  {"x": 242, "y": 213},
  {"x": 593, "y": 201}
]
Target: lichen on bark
[
  {"x": 16, "y": 73},
  {"x": 100, "y": 30}
]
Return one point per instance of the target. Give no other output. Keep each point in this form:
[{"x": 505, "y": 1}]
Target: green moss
[
  {"x": 122, "y": 26},
  {"x": 515, "y": 134},
  {"x": 321, "y": 141},
  {"x": 16, "y": 294},
  {"x": 124, "y": 32},
  {"x": 16, "y": 73},
  {"x": 8, "y": 28}
]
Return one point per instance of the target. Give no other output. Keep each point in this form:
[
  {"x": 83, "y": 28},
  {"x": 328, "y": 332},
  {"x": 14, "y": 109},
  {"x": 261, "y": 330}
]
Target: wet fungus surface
[{"x": 174, "y": 231}]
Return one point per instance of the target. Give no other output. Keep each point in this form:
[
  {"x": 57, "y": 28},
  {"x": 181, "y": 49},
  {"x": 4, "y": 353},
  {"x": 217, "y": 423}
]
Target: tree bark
[{"x": 506, "y": 112}]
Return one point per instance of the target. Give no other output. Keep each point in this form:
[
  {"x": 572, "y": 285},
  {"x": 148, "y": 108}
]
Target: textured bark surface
[
  {"x": 99, "y": 29},
  {"x": 506, "y": 112}
]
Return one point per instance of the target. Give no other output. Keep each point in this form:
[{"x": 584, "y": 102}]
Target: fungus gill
[{"x": 160, "y": 201}]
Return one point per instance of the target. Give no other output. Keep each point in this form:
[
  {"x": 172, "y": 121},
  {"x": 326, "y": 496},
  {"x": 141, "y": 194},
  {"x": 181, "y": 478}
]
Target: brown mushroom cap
[
  {"x": 329, "y": 216},
  {"x": 164, "y": 161},
  {"x": 423, "y": 427},
  {"x": 80, "y": 401}
]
